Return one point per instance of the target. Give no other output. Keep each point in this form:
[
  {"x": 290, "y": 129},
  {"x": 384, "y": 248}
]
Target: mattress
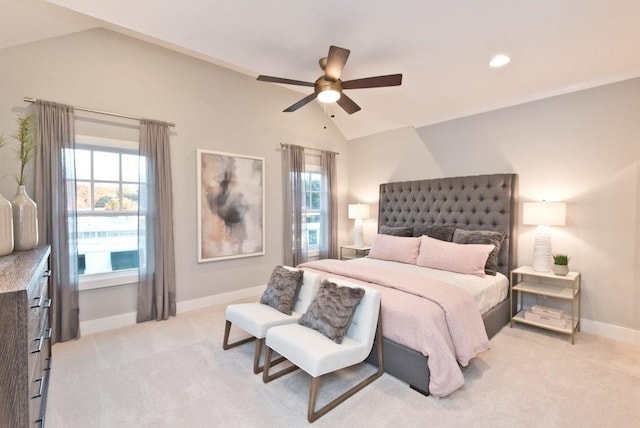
[{"x": 487, "y": 292}]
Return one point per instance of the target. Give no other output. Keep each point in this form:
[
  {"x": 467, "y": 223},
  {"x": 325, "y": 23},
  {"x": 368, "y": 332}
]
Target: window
[
  {"x": 107, "y": 191},
  {"x": 313, "y": 205}
]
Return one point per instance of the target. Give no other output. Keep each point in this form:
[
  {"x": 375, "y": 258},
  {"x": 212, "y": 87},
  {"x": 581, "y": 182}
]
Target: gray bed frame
[{"x": 481, "y": 202}]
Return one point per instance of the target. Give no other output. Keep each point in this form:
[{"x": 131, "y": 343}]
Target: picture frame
[{"x": 231, "y": 205}]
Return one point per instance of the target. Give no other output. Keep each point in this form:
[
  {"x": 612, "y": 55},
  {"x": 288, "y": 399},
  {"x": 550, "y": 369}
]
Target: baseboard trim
[
  {"x": 107, "y": 323},
  {"x": 126, "y": 319},
  {"x": 218, "y": 299},
  {"x": 611, "y": 331}
]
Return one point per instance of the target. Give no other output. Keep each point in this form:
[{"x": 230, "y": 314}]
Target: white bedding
[{"x": 487, "y": 292}]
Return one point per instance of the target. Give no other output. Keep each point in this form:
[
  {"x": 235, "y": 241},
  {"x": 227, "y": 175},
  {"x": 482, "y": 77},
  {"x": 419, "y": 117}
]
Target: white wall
[
  {"x": 213, "y": 108},
  {"x": 582, "y": 148}
]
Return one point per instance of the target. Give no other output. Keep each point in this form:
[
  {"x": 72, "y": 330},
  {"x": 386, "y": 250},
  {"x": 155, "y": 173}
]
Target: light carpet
[{"x": 175, "y": 374}]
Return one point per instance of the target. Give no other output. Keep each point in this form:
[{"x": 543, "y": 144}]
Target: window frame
[
  {"x": 312, "y": 166},
  {"x": 123, "y": 276}
]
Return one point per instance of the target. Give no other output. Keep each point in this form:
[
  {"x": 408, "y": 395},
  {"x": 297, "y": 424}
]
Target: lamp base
[
  {"x": 357, "y": 233},
  {"x": 542, "y": 250}
]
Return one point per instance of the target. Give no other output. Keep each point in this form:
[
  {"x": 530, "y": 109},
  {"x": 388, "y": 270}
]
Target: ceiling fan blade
[
  {"x": 336, "y": 60},
  {"x": 300, "y": 103},
  {"x": 282, "y": 80},
  {"x": 374, "y": 82},
  {"x": 348, "y": 104}
]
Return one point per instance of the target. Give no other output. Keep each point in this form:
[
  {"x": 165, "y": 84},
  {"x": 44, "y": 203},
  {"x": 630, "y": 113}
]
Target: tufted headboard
[{"x": 480, "y": 202}]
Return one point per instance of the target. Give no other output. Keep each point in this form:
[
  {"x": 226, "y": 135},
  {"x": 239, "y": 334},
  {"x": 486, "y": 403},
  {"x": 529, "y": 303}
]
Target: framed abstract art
[{"x": 230, "y": 206}]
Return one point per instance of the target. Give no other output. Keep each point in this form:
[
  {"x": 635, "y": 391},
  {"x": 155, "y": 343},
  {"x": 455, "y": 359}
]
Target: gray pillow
[
  {"x": 462, "y": 236},
  {"x": 282, "y": 289},
  {"x": 331, "y": 310},
  {"x": 443, "y": 233},
  {"x": 403, "y": 231}
]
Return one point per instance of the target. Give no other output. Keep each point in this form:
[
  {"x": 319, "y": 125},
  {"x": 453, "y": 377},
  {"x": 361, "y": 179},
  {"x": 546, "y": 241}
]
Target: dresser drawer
[{"x": 37, "y": 389}]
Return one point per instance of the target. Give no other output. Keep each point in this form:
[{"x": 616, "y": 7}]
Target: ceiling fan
[{"x": 328, "y": 87}]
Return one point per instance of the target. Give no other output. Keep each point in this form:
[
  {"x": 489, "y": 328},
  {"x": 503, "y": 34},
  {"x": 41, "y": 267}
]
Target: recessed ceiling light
[{"x": 499, "y": 61}]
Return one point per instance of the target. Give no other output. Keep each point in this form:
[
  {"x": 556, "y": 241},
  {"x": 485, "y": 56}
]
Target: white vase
[
  {"x": 25, "y": 221},
  {"x": 6, "y": 227}
]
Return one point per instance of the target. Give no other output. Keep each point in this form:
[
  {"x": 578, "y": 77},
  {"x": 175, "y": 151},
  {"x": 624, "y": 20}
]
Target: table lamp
[
  {"x": 358, "y": 212},
  {"x": 543, "y": 215}
]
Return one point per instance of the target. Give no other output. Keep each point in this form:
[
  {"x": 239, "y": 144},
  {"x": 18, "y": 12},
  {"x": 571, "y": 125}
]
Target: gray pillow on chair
[
  {"x": 282, "y": 289},
  {"x": 331, "y": 310}
]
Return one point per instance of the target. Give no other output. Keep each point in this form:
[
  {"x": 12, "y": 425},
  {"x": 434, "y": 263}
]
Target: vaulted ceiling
[{"x": 442, "y": 48}]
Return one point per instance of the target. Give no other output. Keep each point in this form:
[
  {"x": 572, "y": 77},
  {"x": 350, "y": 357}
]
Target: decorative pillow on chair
[
  {"x": 331, "y": 310},
  {"x": 443, "y": 233},
  {"x": 495, "y": 238},
  {"x": 396, "y": 230},
  {"x": 461, "y": 258},
  {"x": 395, "y": 249},
  {"x": 282, "y": 289}
]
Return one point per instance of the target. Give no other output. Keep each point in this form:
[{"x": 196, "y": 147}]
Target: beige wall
[
  {"x": 213, "y": 108},
  {"x": 582, "y": 148}
]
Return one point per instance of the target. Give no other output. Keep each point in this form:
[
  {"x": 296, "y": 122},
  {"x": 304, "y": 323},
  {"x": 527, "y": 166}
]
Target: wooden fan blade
[
  {"x": 300, "y": 103},
  {"x": 282, "y": 80},
  {"x": 374, "y": 82},
  {"x": 336, "y": 60},
  {"x": 348, "y": 104}
]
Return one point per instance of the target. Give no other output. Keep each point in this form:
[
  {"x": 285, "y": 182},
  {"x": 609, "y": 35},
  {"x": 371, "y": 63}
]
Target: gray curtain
[
  {"x": 329, "y": 203},
  {"x": 294, "y": 228},
  {"x": 55, "y": 195},
  {"x": 157, "y": 278}
]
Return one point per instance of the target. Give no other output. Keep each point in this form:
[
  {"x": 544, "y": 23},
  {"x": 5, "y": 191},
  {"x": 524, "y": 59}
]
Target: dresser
[{"x": 25, "y": 345}]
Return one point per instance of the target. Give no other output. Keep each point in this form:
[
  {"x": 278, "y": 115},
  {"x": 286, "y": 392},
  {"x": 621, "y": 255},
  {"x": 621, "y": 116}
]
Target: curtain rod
[
  {"x": 90, "y": 110},
  {"x": 283, "y": 145}
]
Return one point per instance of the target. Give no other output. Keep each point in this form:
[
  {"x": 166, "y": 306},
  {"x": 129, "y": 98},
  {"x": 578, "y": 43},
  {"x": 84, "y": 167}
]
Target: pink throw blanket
[{"x": 437, "y": 319}]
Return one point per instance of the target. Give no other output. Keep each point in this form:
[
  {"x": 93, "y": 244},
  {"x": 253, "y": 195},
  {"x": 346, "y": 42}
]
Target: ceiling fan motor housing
[{"x": 324, "y": 84}]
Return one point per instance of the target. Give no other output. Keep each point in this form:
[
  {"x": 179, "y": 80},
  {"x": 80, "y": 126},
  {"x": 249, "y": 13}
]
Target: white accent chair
[
  {"x": 318, "y": 355},
  {"x": 257, "y": 318}
]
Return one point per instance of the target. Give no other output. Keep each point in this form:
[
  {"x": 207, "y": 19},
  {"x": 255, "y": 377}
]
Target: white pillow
[
  {"x": 395, "y": 248},
  {"x": 461, "y": 258}
]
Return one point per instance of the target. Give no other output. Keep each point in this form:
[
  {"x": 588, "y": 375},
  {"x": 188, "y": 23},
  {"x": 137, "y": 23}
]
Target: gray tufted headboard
[{"x": 480, "y": 202}]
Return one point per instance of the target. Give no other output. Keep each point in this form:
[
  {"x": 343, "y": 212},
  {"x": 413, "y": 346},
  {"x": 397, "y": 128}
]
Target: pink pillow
[
  {"x": 461, "y": 258},
  {"x": 395, "y": 249}
]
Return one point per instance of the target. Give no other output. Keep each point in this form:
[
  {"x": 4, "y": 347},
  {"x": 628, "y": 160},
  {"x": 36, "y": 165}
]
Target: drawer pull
[
  {"x": 40, "y": 388},
  {"x": 47, "y": 304},
  {"x": 47, "y": 273},
  {"x": 40, "y": 340},
  {"x": 48, "y": 333},
  {"x": 48, "y": 360},
  {"x": 37, "y": 302}
]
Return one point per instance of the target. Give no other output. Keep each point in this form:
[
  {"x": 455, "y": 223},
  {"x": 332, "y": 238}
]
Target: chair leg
[
  {"x": 225, "y": 343},
  {"x": 266, "y": 377},
  {"x": 313, "y": 415},
  {"x": 257, "y": 368}
]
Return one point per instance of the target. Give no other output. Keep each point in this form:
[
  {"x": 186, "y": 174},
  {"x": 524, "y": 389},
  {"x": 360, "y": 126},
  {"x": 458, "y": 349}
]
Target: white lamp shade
[
  {"x": 358, "y": 211},
  {"x": 544, "y": 213}
]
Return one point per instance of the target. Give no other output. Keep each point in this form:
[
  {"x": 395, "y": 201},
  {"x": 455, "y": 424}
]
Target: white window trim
[{"x": 110, "y": 279}]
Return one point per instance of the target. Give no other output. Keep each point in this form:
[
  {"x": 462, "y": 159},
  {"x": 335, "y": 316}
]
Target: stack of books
[{"x": 548, "y": 316}]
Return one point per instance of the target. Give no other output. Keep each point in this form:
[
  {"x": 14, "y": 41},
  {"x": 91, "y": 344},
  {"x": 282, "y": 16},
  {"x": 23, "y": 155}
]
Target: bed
[{"x": 472, "y": 203}]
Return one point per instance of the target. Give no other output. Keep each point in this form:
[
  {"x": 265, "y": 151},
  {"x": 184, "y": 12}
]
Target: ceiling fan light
[
  {"x": 328, "y": 96},
  {"x": 499, "y": 60}
]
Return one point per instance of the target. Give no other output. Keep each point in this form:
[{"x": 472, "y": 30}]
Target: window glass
[
  {"x": 106, "y": 166},
  {"x": 107, "y": 191}
]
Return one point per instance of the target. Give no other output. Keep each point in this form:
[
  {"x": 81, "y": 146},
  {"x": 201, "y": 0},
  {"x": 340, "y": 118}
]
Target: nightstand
[
  {"x": 348, "y": 252},
  {"x": 557, "y": 297}
]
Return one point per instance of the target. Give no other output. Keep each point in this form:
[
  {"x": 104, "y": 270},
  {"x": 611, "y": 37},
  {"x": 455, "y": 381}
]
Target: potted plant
[
  {"x": 560, "y": 264},
  {"x": 25, "y": 217}
]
